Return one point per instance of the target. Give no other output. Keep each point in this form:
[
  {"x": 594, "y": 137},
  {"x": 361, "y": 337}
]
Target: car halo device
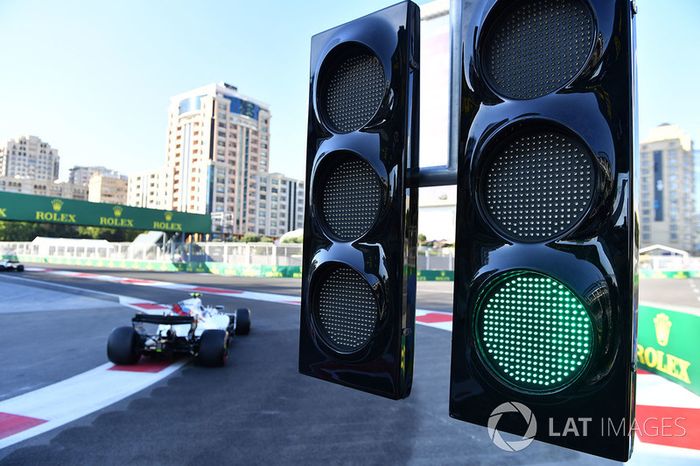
[
  {"x": 545, "y": 296},
  {"x": 359, "y": 272}
]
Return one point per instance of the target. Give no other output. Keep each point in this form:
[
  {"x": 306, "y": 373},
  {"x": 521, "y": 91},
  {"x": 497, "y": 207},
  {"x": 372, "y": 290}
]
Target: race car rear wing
[{"x": 162, "y": 320}]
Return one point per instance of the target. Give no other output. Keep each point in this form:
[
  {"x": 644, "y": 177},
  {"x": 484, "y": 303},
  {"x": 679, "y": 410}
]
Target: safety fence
[{"x": 232, "y": 259}]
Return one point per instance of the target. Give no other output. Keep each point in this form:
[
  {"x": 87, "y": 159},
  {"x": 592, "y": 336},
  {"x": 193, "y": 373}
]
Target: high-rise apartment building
[
  {"x": 29, "y": 157},
  {"x": 148, "y": 189},
  {"x": 667, "y": 188},
  {"x": 279, "y": 204},
  {"x": 81, "y": 175},
  {"x": 105, "y": 188},
  {"x": 218, "y": 141}
]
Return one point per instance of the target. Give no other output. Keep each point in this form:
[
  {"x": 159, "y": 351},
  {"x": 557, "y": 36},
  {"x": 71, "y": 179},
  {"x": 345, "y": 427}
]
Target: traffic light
[
  {"x": 358, "y": 280},
  {"x": 545, "y": 271}
]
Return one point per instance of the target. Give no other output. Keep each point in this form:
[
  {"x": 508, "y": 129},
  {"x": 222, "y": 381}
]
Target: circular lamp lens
[
  {"x": 354, "y": 86},
  {"x": 538, "y": 185},
  {"x": 346, "y": 310},
  {"x": 537, "y": 46},
  {"x": 534, "y": 332},
  {"x": 350, "y": 197}
]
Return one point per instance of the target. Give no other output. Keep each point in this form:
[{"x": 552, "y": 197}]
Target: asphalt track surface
[
  {"x": 256, "y": 410},
  {"x": 684, "y": 293}
]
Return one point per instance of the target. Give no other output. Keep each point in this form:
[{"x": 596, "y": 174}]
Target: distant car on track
[
  {"x": 189, "y": 328},
  {"x": 11, "y": 265}
]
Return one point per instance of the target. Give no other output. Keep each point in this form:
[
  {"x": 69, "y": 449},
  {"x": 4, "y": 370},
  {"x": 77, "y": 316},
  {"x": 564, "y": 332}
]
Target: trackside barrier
[
  {"x": 267, "y": 271},
  {"x": 217, "y": 268},
  {"x": 667, "y": 344}
]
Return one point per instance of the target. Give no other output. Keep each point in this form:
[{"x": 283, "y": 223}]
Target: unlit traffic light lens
[
  {"x": 354, "y": 90},
  {"x": 534, "y": 332},
  {"x": 346, "y": 310},
  {"x": 537, "y": 46},
  {"x": 538, "y": 185},
  {"x": 350, "y": 196}
]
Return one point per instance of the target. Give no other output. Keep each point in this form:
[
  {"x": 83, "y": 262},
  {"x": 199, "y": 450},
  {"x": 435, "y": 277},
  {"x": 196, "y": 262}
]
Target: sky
[{"x": 94, "y": 78}]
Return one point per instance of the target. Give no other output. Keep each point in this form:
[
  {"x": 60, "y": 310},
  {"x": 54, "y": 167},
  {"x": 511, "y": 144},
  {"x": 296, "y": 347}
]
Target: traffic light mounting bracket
[{"x": 446, "y": 175}]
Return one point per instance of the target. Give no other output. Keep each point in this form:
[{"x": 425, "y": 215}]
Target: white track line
[
  {"x": 78, "y": 396},
  {"x": 83, "y": 394},
  {"x": 213, "y": 290}
]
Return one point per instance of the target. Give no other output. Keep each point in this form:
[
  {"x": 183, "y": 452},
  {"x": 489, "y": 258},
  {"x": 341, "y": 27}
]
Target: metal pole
[
  {"x": 189, "y": 250},
  {"x": 445, "y": 175}
]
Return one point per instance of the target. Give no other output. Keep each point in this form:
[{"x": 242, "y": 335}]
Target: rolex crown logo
[
  {"x": 662, "y": 324},
  {"x": 57, "y": 204},
  {"x": 117, "y": 210},
  {"x": 168, "y": 216}
]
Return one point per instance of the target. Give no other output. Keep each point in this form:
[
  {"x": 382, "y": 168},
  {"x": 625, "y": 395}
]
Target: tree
[
  {"x": 17, "y": 231},
  {"x": 251, "y": 238},
  {"x": 27, "y": 231}
]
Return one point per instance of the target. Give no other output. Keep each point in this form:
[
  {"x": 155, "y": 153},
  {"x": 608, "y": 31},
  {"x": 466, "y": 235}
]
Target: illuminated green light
[{"x": 534, "y": 332}]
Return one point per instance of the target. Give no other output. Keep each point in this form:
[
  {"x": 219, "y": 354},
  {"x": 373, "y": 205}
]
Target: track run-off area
[{"x": 62, "y": 402}]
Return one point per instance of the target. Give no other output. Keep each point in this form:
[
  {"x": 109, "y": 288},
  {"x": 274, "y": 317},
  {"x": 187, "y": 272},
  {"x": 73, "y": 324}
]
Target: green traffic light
[{"x": 534, "y": 332}]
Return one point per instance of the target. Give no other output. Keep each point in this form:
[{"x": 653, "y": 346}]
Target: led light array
[
  {"x": 535, "y": 332},
  {"x": 351, "y": 199},
  {"x": 355, "y": 92},
  {"x": 347, "y": 309},
  {"x": 538, "y": 47},
  {"x": 539, "y": 186}
]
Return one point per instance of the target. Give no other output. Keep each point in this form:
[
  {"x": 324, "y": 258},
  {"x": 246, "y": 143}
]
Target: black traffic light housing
[
  {"x": 358, "y": 280},
  {"x": 545, "y": 295}
]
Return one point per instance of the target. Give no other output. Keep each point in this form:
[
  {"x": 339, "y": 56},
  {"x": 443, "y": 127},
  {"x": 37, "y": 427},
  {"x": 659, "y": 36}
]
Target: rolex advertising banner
[
  {"x": 668, "y": 344},
  {"x": 42, "y": 209}
]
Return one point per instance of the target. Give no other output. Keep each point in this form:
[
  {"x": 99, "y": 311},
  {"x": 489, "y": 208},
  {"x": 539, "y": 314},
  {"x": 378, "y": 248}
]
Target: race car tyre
[
  {"x": 242, "y": 321},
  {"x": 20, "y": 268},
  {"x": 213, "y": 348},
  {"x": 124, "y": 346}
]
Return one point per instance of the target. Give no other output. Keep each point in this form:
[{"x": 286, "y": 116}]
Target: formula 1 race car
[
  {"x": 189, "y": 328},
  {"x": 11, "y": 265}
]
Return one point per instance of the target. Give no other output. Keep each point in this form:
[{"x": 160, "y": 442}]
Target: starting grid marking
[{"x": 44, "y": 409}]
